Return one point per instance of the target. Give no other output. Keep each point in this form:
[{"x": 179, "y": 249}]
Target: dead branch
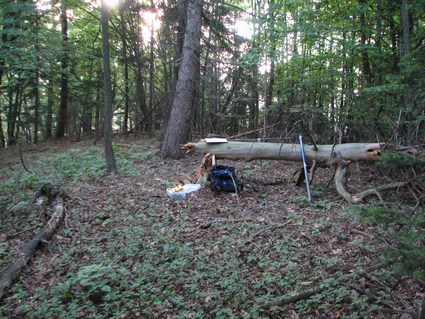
[
  {"x": 270, "y": 228},
  {"x": 294, "y": 298},
  {"x": 250, "y": 132},
  {"x": 314, "y": 291},
  {"x": 22, "y": 231},
  {"x": 29, "y": 250}
]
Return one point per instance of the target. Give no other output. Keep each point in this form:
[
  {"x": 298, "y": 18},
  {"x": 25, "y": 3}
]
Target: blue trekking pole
[{"x": 307, "y": 183}]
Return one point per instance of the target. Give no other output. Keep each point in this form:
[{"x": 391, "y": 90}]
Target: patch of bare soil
[{"x": 331, "y": 243}]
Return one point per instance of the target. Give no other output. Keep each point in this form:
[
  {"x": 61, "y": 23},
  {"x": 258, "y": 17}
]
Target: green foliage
[
  {"x": 405, "y": 233},
  {"x": 96, "y": 286},
  {"x": 74, "y": 164},
  {"x": 132, "y": 152},
  {"x": 396, "y": 161},
  {"x": 77, "y": 163},
  {"x": 150, "y": 269}
]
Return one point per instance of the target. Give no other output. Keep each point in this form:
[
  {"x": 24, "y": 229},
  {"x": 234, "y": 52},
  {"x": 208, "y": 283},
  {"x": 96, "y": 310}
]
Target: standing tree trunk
[
  {"x": 37, "y": 84},
  {"x": 109, "y": 151},
  {"x": 49, "y": 111},
  {"x": 2, "y": 137},
  {"x": 151, "y": 75},
  {"x": 407, "y": 45},
  {"x": 12, "y": 114},
  {"x": 36, "y": 106},
  {"x": 125, "y": 61},
  {"x": 181, "y": 23},
  {"x": 140, "y": 85},
  {"x": 63, "y": 111},
  {"x": 184, "y": 104}
]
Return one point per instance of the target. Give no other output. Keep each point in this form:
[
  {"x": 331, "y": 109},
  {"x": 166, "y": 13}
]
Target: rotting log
[
  {"x": 44, "y": 235},
  {"x": 324, "y": 155}
]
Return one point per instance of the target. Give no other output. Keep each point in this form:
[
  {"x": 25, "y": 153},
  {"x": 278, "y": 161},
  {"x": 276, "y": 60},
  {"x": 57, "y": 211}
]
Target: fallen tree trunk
[
  {"x": 339, "y": 156},
  {"x": 57, "y": 200},
  {"x": 324, "y": 154}
]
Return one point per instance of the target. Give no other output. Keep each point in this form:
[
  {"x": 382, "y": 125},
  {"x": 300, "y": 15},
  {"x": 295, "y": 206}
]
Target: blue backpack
[{"x": 224, "y": 179}]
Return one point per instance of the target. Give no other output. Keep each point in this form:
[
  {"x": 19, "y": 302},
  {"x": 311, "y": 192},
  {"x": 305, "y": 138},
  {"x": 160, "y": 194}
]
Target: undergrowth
[
  {"x": 147, "y": 269},
  {"x": 18, "y": 184},
  {"x": 158, "y": 261}
]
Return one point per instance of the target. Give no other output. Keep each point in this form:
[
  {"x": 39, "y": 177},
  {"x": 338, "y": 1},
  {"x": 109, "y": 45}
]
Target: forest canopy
[{"x": 338, "y": 71}]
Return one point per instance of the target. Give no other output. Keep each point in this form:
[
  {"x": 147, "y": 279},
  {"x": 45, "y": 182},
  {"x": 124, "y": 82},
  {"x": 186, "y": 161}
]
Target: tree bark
[
  {"x": 324, "y": 155},
  {"x": 63, "y": 111},
  {"x": 184, "y": 104},
  {"x": 109, "y": 151},
  {"x": 126, "y": 72},
  {"x": 49, "y": 110}
]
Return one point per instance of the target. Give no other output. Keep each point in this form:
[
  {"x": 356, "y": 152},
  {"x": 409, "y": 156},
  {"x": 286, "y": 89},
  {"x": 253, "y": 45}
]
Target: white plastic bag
[{"x": 187, "y": 188}]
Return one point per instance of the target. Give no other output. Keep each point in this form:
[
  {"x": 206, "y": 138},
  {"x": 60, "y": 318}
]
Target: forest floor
[{"x": 127, "y": 250}]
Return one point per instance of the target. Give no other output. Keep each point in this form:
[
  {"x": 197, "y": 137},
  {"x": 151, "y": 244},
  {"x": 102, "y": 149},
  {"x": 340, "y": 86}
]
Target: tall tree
[
  {"x": 126, "y": 67},
  {"x": 63, "y": 110},
  {"x": 109, "y": 151},
  {"x": 185, "y": 98}
]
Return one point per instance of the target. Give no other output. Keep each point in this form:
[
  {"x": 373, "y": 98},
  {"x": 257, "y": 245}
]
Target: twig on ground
[
  {"x": 311, "y": 292},
  {"x": 23, "y": 231},
  {"x": 270, "y": 228}
]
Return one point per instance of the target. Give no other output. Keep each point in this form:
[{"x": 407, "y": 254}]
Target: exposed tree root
[
  {"x": 56, "y": 197},
  {"x": 341, "y": 169}
]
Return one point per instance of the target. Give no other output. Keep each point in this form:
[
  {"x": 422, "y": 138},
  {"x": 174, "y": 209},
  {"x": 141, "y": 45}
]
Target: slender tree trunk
[
  {"x": 184, "y": 103},
  {"x": 151, "y": 75},
  {"x": 63, "y": 111},
  {"x": 181, "y": 24},
  {"x": 2, "y": 137},
  {"x": 407, "y": 46},
  {"x": 363, "y": 40},
  {"x": 97, "y": 121},
  {"x": 37, "y": 85},
  {"x": 12, "y": 115},
  {"x": 272, "y": 54},
  {"x": 140, "y": 81},
  {"x": 49, "y": 110},
  {"x": 109, "y": 151},
  {"x": 36, "y": 107},
  {"x": 406, "y": 24},
  {"x": 85, "y": 124},
  {"x": 254, "y": 98},
  {"x": 125, "y": 61},
  {"x": 217, "y": 111}
]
